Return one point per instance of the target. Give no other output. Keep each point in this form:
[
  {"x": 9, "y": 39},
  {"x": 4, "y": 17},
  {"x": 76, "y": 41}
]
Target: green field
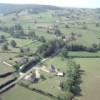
[
  {"x": 90, "y": 81},
  {"x": 50, "y": 85},
  {"x": 84, "y": 23},
  {"x": 20, "y": 93},
  {"x": 91, "y": 78}
]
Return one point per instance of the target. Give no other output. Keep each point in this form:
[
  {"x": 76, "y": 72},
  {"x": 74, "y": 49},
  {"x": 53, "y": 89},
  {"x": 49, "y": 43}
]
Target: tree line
[{"x": 71, "y": 82}]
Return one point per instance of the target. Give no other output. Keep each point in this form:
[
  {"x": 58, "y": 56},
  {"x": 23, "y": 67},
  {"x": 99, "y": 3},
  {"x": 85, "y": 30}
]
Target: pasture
[
  {"x": 90, "y": 79},
  {"x": 80, "y": 23}
]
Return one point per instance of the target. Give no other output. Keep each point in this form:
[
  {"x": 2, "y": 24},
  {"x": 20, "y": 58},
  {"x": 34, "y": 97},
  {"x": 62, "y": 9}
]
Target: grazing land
[{"x": 59, "y": 43}]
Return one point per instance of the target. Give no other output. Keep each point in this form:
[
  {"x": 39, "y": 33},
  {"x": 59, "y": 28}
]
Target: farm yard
[{"x": 41, "y": 49}]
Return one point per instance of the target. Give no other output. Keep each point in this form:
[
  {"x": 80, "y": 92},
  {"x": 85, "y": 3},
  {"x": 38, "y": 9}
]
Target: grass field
[
  {"x": 90, "y": 84},
  {"x": 6, "y": 56},
  {"x": 40, "y": 22},
  {"x": 4, "y": 68},
  {"x": 82, "y": 54},
  {"x": 58, "y": 62},
  {"x": 50, "y": 85},
  {"x": 91, "y": 78},
  {"x": 21, "y": 93}
]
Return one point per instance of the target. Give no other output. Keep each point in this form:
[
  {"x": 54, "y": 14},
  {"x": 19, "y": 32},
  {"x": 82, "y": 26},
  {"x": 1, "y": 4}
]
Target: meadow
[{"x": 40, "y": 23}]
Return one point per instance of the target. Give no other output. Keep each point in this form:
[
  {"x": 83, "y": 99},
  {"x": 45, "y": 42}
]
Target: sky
[{"x": 62, "y": 3}]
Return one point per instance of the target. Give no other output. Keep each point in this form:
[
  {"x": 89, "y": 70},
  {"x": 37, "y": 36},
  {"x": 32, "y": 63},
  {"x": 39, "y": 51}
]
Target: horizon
[{"x": 60, "y": 3}]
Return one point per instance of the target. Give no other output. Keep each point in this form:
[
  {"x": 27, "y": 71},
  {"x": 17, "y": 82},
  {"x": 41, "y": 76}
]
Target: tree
[
  {"x": 72, "y": 79},
  {"x": 31, "y": 34},
  {"x": 50, "y": 48},
  {"x": 67, "y": 26},
  {"x": 21, "y": 50},
  {"x": 5, "y": 46},
  {"x": 97, "y": 24},
  {"x": 65, "y": 96},
  {"x": 2, "y": 38},
  {"x": 64, "y": 53},
  {"x": 42, "y": 39},
  {"x": 17, "y": 31},
  {"x": 18, "y": 27},
  {"x": 58, "y": 32},
  {"x": 13, "y": 43},
  {"x": 84, "y": 27}
]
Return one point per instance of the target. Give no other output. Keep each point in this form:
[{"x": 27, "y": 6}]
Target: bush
[
  {"x": 13, "y": 43},
  {"x": 10, "y": 58},
  {"x": 5, "y": 47},
  {"x": 51, "y": 48},
  {"x": 67, "y": 26},
  {"x": 84, "y": 27},
  {"x": 65, "y": 96},
  {"x": 97, "y": 24},
  {"x": 72, "y": 79},
  {"x": 64, "y": 53}
]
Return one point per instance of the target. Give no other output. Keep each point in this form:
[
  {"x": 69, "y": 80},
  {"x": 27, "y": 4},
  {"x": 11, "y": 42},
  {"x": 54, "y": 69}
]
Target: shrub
[{"x": 65, "y": 96}]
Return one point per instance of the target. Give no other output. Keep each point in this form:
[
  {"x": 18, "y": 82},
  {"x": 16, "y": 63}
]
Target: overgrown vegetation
[{"x": 71, "y": 83}]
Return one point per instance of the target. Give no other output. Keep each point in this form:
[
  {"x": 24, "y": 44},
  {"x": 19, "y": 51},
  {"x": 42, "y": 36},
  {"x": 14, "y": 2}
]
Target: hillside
[
  {"x": 43, "y": 48},
  {"x": 10, "y": 8}
]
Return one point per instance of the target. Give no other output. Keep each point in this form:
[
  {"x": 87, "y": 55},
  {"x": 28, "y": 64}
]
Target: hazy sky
[{"x": 65, "y": 3}]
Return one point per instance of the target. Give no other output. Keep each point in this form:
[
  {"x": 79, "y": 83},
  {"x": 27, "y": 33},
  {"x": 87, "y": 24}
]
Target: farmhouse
[
  {"x": 33, "y": 76},
  {"x": 54, "y": 71}
]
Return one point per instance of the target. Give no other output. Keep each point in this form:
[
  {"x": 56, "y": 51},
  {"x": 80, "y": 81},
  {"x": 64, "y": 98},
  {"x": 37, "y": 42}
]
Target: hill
[{"x": 9, "y": 8}]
